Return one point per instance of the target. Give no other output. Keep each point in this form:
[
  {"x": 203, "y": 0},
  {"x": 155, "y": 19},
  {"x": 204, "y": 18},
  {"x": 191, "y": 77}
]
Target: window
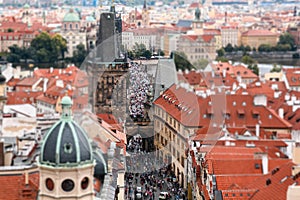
[
  {"x": 84, "y": 183},
  {"x": 68, "y": 148},
  {"x": 49, "y": 184},
  {"x": 67, "y": 185}
]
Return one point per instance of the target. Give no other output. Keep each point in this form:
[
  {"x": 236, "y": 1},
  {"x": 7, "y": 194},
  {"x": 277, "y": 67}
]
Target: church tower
[
  {"x": 145, "y": 15},
  {"x": 197, "y": 24},
  {"x": 66, "y": 160}
]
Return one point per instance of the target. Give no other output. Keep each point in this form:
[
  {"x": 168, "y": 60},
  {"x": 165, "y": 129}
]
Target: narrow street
[{"x": 148, "y": 178}]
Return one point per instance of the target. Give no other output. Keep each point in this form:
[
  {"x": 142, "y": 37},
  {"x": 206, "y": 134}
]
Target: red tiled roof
[
  {"x": 292, "y": 76},
  {"x": 278, "y": 181},
  {"x": 207, "y": 38},
  {"x": 259, "y": 33},
  {"x": 190, "y": 109},
  {"x": 224, "y": 182},
  {"x": 22, "y": 97},
  {"x": 189, "y": 37},
  {"x": 12, "y": 82},
  {"x": 13, "y": 186}
]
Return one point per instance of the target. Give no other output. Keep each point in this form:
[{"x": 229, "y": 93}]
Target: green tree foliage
[
  {"x": 43, "y": 49},
  {"x": 222, "y": 59},
  {"x": 221, "y": 52},
  {"x": 254, "y": 68},
  {"x": 147, "y": 54},
  {"x": 276, "y": 68},
  {"x": 251, "y": 64},
  {"x": 181, "y": 60},
  {"x": 15, "y": 54},
  {"x": 79, "y": 54},
  {"x": 200, "y": 64},
  {"x": 248, "y": 60},
  {"x": 248, "y": 48},
  {"x": 264, "y": 48},
  {"x": 287, "y": 39},
  {"x": 139, "y": 50},
  {"x": 60, "y": 44},
  {"x": 228, "y": 48}
]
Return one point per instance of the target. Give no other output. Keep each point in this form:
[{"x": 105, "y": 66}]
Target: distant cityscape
[{"x": 128, "y": 100}]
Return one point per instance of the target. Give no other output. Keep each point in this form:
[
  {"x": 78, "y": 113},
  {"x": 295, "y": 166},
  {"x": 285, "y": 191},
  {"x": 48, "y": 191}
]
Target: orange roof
[
  {"x": 275, "y": 184},
  {"x": 263, "y": 33},
  {"x": 13, "y": 186},
  {"x": 22, "y": 97},
  {"x": 191, "y": 110},
  {"x": 224, "y": 182},
  {"x": 292, "y": 76}
]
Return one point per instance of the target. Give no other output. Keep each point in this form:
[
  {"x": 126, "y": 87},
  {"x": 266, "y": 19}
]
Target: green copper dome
[
  {"x": 26, "y": 6},
  {"x": 66, "y": 143},
  {"x": 90, "y": 19},
  {"x": 71, "y": 17}
]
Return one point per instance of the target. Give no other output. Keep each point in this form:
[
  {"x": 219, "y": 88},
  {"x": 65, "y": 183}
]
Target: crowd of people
[
  {"x": 135, "y": 144},
  {"x": 138, "y": 91},
  {"x": 147, "y": 177}
]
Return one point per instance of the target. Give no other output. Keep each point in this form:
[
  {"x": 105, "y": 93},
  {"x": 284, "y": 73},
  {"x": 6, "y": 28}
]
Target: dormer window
[{"x": 241, "y": 113}]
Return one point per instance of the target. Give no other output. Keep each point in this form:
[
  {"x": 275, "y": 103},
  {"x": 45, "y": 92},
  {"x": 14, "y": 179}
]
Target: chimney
[
  {"x": 257, "y": 130},
  {"x": 51, "y": 70},
  {"x": 280, "y": 112},
  {"x": 59, "y": 71},
  {"x": 26, "y": 178},
  {"x": 45, "y": 84},
  {"x": 2, "y": 153},
  {"x": 265, "y": 163},
  {"x": 224, "y": 73}
]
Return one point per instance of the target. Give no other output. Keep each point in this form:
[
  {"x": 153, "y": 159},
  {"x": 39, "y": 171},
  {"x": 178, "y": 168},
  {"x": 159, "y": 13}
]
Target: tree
[
  {"x": 228, "y": 48},
  {"x": 251, "y": 64},
  {"x": 264, "y": 48},
  {"x": 200, "y": 64},
  {"x": 221, "y": 52},
  {"x": 247, "y": 48},
  {"x": 45, "y": 47},
  {"x": 147, "y": 54},
  {"x": 160, "y": 52},
  {"x": 254, "y": 68},
  {"x": 139, "y": 50},
  {"x": 287, "y": 38},
  {"x": 248, "y": 60},
  {"x": 79, "y": 54},
  {"x": 241, "y": 48},
  {"x": 222, "y": 59},
  {"x": 181, "y": 61},
  {"x": 60, "y": 44},
  {"x": 276, "y": 68},
  {"x": 13, "y": 58},
  {"x": 283, "y": 47}
]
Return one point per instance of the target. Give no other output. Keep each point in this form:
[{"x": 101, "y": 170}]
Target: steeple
[
  {"x": 112, "y": 7},
  {"x": 145, "y": 5}
]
